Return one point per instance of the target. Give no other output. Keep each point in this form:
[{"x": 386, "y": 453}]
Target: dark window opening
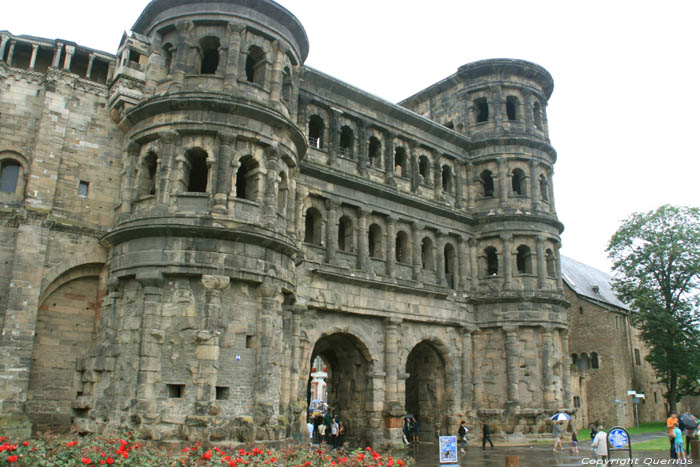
[
  {"x": 248, "y": 342},
  {"x": 198, "y": 171},
  {"x": 79, "y": 63},
  {"x": 424, "y": 169},
  {"x": 222, "y": 393},
  {"x": 176, "y": 391},
  {"x": 22, "y": 55},
  {"x": 577, "y": 402},
  {"x": 346, "y": 141},
  {"x": 312, "y": 226},
  {"x": 580, "y": 310},
  {"x": 375, "y": 241},
  {"x": 44, "y": 59},
  {"x": 168, "y": 55},
  {"x": 400, "y": 162},
  {"x": 148, "y": 177},
  {"x": 482, "y": 110},
  {"x": 450, "y": 259},
  {"x": 637, "y": 357},
  {"x": 9, "y": 175},
  {"x": 585, "y": 362},
  {"x": 512, "y": 108},
  {"x": 518, "y": 182},
  {"x": 345, "y": 234},
  {"x": 595, "y": 364},
  {"x": 524, "y": 260},
  {"x": 491, "y": 261},
  {"x": 83, "y": 188},
  {"x": 402, "y": 247},
  {"x": 316, "y": 127},
  {"x": 426, "y": 250},
  {"x": 209, "y": 47},
  {"x": 544, "y": 188},
  {"x": 246, "y": 181},
  {"x": 551, "y": 263},
  {"x": 447, "y": 179},
  {"x": 487, "y": 183},
  {"x": 537, "y": 115},
  {"x": 99, "y": 72},
  {"x": 375, "y": 152},
  {"x": 574, "y": 361},
  {"x": 6, "y": 56},
  {"x": 287, "y": 86},
  {"x": 255, "y": 66}
]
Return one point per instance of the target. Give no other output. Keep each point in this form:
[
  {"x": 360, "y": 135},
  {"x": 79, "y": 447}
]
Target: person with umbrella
[
  {"x": 689, "y": 424},
  {"x": 558, "y": 418}
]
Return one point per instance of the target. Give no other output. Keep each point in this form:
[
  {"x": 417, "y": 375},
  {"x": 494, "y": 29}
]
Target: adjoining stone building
[
  {"x": 187, "y": 225},
  {"x": 607, "y": 353}
]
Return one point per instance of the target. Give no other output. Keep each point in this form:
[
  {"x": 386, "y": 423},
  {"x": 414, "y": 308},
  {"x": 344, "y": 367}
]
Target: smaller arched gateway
[
  {"x": 348, "y": 385},
  {"x": 426, "y": 389}
]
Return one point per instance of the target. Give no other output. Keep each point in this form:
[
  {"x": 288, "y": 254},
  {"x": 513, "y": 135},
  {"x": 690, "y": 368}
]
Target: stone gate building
[{"x": 187, "y": 225}]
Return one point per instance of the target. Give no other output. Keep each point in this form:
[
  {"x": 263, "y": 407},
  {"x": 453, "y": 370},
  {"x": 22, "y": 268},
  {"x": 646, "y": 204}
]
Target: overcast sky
[{"x": 622, "y": 117}]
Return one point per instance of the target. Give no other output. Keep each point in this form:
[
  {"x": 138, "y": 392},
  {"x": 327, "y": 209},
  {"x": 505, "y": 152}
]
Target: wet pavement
[{"x": 539, "y": 455}]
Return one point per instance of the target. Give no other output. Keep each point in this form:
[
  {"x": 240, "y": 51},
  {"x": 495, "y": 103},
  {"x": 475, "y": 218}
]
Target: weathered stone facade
[{"x": 193, "y": 224}]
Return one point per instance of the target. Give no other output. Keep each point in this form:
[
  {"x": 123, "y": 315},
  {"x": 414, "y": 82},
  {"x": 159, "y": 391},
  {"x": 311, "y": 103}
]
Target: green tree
[{"x": 656, "y": 270}]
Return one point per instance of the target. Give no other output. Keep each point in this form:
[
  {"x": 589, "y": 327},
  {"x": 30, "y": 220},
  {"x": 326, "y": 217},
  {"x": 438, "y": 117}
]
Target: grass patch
[{"x": 659, "y": 444}]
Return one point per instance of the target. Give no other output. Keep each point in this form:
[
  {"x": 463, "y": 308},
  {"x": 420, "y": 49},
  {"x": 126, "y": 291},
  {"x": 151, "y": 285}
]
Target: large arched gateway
[{"x": 426, "y": 386}]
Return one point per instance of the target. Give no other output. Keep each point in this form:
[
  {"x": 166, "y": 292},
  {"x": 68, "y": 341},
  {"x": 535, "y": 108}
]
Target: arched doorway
[
  {"x": 348, "y": 386},
  {"x": 425, "y": 389}
]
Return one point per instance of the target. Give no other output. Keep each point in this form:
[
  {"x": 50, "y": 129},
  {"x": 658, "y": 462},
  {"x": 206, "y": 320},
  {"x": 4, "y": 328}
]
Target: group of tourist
[
  {"x": 410, "y": 430},
  {"x": 685, "y": 425},
  {"x": 327, "y": 429}
]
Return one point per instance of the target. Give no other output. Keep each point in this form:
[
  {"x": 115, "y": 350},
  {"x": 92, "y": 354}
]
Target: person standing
[
  {"x": 415, "y": 430},
  {"x": 689, "y": 425},
  {"x": 678, "y": 442},
  {"x": 406, "y": 431},
  {"x": 593, "y": 433},
  {"x": 600, "y": 444},
  {"x": 485, "y": 435},
  {"x": 334, "y": 433},
  {"x": 574, "y": 442},
  {"x": 556, "y": 432},
  {"x": 462, "y": 435},
  {"x": 341, "y": 434},
  {"x": 670, "y": 424}
]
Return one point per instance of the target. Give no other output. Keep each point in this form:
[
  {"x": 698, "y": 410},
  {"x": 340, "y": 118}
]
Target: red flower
[
  {"x": 307, "y": 463},
  {"x": 12, "y": 459},
  {"x": 368, "y": 448},
  {"x": 71, "y": 443},
  {"x": 26, "y": 443},
  {"x": 110, "y": 461},
  {"x": 85, "y": 461},
  {"x": 207, "y": 455}
]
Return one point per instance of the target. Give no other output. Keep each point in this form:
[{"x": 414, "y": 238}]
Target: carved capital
[{"x": 215, "y": 282}]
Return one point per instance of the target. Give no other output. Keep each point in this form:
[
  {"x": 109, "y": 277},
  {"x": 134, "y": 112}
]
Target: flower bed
[{"x": 127, "y": 451}]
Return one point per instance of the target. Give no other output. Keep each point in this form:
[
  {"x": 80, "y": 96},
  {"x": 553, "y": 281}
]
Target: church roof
[{"x": 590, "y": 283}]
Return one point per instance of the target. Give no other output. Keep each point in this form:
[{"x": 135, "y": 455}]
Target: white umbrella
[{"x": 560, "y": 416}]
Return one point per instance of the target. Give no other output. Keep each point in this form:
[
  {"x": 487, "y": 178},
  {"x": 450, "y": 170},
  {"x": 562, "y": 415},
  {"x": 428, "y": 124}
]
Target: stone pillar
[
  {"x": 560, "y": 285},
  {"x": 291, "y": 206},
  {"x": 363, "y": 148},
  {"x": 127, "y": 188},
  {"x": 70, "y": 50},
  {"x": 363, "y": 241},
  {"x": 166, "y": 161},
  {"x": 57, "y": 55},
  {"x": 529, "y": 123},
  {"x": 223, "y": 173},
  {"x": 269, "y": 210},
  {"x": 334, "y": 137},
  {"x": 207, "y": 346},
  {"x": 512, "y": 366},
  {"x": 462, "y": 265},
  {"x": 32, "y": 60},
  {"x": 467, "y": 369},
  {"x": 89, "y": 68},
  {"x": 415, "y": 177},
  {"x": 295, "y": 379},
  {"x": 534, "y": 189},
  {"x": 566, "y": 371},
  {"x": 471, "y": 182},
  {"x": 389, "y": 159},
  {"x": 391, "y": 360},
  {"x": 497, "y": 99},
  {"x": 437, "y": 175},
  {"x": 300, "y": 200},
  {"x": 502, "y": 181},
  {"x": 11, "y": 53},
  {"x": 390, "y": 246},
  {"x": 4, "y": 40},
  {"x": 474, "y": 265},
  {"x": 541, "y": 264},
  {"x": 440, "y": 258},
  {"x": 234, "y": 53},
  {"x": 331, "y": 231},
  {"x": 152, "y": 338},
  {"x": 276, "y": 77},
  {"x": 507, "y": 260},
  {"x": 550, "y": 179},
  {"x": 268, "y": 349},
  {"x": 458, "y": 184},
  {"x": 548, "y": 385},
  {"x": 417, "y": 256}
]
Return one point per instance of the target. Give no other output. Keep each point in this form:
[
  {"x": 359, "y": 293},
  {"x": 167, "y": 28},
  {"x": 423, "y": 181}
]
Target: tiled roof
[{"x": 589, "y": 282}]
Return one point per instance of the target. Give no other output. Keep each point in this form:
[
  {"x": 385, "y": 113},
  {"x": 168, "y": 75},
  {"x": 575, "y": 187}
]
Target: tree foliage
[{"x": 656, "y": 270}]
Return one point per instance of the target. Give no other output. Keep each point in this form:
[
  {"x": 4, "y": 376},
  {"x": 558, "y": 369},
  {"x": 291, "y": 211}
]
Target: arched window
[
  {"x": 450, "y": 262},
  {"x": 375, "y": 152},
  {"x": 537, "y": 115},
  {"x": 585, "y": 362},
  {"x": 168, "y": 56},
  {"x": 316, "y": 127},
  {"x": 595, "y": 364},
  {"x": 491, "y": 261},
  {"x": 9, "y": 175},
  {"x": 375, "y": 241},
  {"x": 400, "y": 162},
  {"x": 574, "y": 361},
  {"x": 347, "y": 138},
  {"x": 424, "y": 169},
  {"x": 147, "y": 174},
  {"x": 524, "y": 260},
  {"x": 487, "y": 183},
  {"x": 255, "y": 65},
  {"x": 426, "y": 250},
  {"x": 197, "y": 171},
  {"x": 209, "y": 47},
  {"x": 551, "y": 263},
  {"x": 402, "y": 247},
  {"x": 287, "y": 86},
  {"x": 512, "y": 108},
  {"x": 447, "y": 178},
  {"x": 345, "y": 234},
  {"x": 282, "y": 195},
  {"x": 481, "y": 106},
  {"x": 312, "y": 226},
  {"x": 518, "y": 182},
  {"x": 247, "y": 179},
  {"x": 544, "y": 188}
]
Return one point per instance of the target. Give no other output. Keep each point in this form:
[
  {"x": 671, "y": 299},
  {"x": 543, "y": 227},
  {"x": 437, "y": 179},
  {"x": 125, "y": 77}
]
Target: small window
[
  {"x": 312, "y": 232},
  {"x": 551, "y": 261},
  {"x": 222, "y": 393},
  {"x": 537, "y": 115},
  {"x": 316, "y": 127},
  {"x": 147, "y": 175},
  {"x": 375, "y": 241},
  {"x": 287, "y": 86},
  {"x": 83, "y": 188},
  {"x": 402, "y": 247},
  {"x": 9, "y": 175},
  {"x": 574, "y": 361},
  {"x": 518, "y": 182},
  {"x": 595, "y": 364},
  {"x": 247, "y": 179},
  {"x": 450, "y": 259},
  {"x": 580, "y": 310},
  {"x": 426, "y": 249},
  {"x": 486, "y": 178},
  {"x": 447, "y": 179},
  {"x": 375, "y": 152},
  {"x": 524, "y": 260},
  {"x": 512, "y": 108},
  {"x": 401, "y": 162},
  {"x": 577, "y": 402},
  {"x": 248, "y": 342},
  {"x": 255, "y": 66},
  {"x": 424, "y": 169},
  {"x": 482, "y": 110},
  {"x": 346, "y": 141},
  {"x": 198, "y": 172},
  {"x": 544, "y": 188},
  {"x": 585, "y": 362},
  {"x": 491, "y": 261},
  {"x": 345, "y": 234},
  {"x": 168, "y": 56},
  {"x": 637, "y": 357},
  {"x": 176, "y": 391}
]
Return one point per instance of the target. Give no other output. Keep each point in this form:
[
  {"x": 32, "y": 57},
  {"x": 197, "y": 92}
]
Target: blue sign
[
  {"x": 618, "y": 438},
  {"x": 448, "y": 449}
]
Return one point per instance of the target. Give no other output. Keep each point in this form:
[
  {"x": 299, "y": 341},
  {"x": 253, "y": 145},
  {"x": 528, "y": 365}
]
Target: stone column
[
  {"x": 89, "y": 68},
  {"x": 497, "y": 99},
  {"x": 268, "y": 349},
  {"x": 437, "y": 176},
  {"x": 363, "y": 148},
  {"x": 223, "y": 175},
  {"x": 541, "y": 265},
  {"x": 462, "y": 265},
  {"x": 300, "y": 200},
  {"x": 415, "y": 177},
  {"x": 152, "y": 338},
  {"x": 127, "y": 188},
  {"x": 234, "y": 53},
  {"x": 512, "y": 366},
  {"x": 334, "y": 137},
  {"x": 57, "y": 55},
  {"x": 11, "y": 53},
  {"x": 166, "y": 161},
  {"x": 507, "y": 260},
  {"x": 207, "y": 339},
  {"x": 548, "y": 385},
  {"x": 458, "y": 185},
  {"x": 389, "y": 159},
  {"x": 70, "y": 50},
  {"x": 474, "y": 265},
  {"x": 363, "y": 241},
  {"x": 295, "y": 379},
  {"x": 331, "y": 231},
  {"x": 440, "y": 258},
  {"x": 503, "y": 181},
  {"x": 560, "y": 285},
  {"x": 4, "y": 40},
  {"x": 417, "y": 256},
  {"x": 471, "y": 182},
  {"x": 391, "y": 360},
  {"x": 534, "y": 189},
  {"x": 566, "y": 371},
  {"x": 277, "y": 55},
  {"x": 529, "y": 123},
  {"x": 550, "y": 179},
  {"x": 390, "y": 245},
  {"x": 269, "y": 210},
  {"x": 291, "y": 206},
  {"x": 467, "y": 369},
  {"x": 32, "y": 60}
]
